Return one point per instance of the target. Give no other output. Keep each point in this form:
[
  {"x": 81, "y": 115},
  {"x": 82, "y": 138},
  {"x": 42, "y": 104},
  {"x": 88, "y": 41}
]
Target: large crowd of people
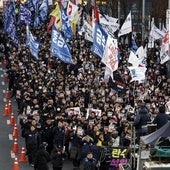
[{"x": 46, "y": 88}]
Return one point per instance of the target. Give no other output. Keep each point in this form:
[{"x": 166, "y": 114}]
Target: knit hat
[{"x": 42, "y": 146}]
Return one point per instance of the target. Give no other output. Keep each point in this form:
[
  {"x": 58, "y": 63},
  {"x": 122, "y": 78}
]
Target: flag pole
[
  {"x": 168, "y": 63},
  {"x": 118, "y": 11},
  {"x": 143, "y": 20}
]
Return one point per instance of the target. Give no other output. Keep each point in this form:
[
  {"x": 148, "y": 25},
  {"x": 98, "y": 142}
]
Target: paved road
[{"x": 6, "y": 130}]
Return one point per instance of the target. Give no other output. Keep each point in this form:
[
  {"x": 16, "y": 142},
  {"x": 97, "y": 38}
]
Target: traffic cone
[
  {"x": 6, "y": 113},
  {"x": 15, "y": 146},
  {"x": 9, "y": 107},
  {"x": 23, "y": 155},
  {"x": 16, "y": 164},
  {"x": 12, "y": 120},
  {"x": 15, "y": 131},
  {"x": 7, "y": 94},
  {"x": 6, "y": 80}
]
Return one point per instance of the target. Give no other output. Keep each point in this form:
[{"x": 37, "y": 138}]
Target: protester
[
  {"x": 75, "y": 148},
  {"x": 57, "y": 157},
  {"x": 45, "y": 89},
  {"x": 47, "y": 134},
  {"x": 89, "y": 162},
  {"x": 141, "y": 121},
  {"x": 32, "y": 141},
  {"x": 59, "y": 134},
  {"x": 42, "y": 158},
  {"x": 161, "y": 118}
]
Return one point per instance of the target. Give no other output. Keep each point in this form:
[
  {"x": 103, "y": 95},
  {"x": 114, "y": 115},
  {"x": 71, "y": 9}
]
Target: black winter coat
[
  {"x": 33, "y": 140},
  {"x": 142, "y": 119},
  {"x": 41, "y": 160},
  {"x": 59, "y": 136},
  {"x": 161, "y": 119},
  {"x": 57, "y": 158}
]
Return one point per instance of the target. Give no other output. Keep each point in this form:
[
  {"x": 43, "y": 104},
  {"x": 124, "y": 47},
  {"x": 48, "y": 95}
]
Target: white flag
[
  {"x": 110, "y": 29},
  {"x": 110, "y": 58},
  {"x": 72, "y": 11},
  {"x": 107, "y": 74},
  {"x": 109, "y": 24},
  {"x": 127, "y": 26},
  {"x": 151, "y": 42},
  {"x": 133, "y": 59},
  {"x": 77, "y": 2},
  {"x": 164, "y": 29},
  {"x": 88, "y": 30},
  {"x": 156, "y": 33},
  {"x": 50, "y": 2},
  {"x": 105, "y": 19},
  {"x": 164, "y": 52},
  {"x": 141, "y": 53},
  {"x": 137, "y": 73}
]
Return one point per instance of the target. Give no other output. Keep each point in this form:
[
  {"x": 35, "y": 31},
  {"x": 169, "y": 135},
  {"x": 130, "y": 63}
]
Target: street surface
[{"x": 6, "y": 130}]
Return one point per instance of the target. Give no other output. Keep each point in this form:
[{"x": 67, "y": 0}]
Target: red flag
[
  {"x": 96, "y": 14},
  {"x": 51, "y": 23},
  {"x": 166, "y": 38}
]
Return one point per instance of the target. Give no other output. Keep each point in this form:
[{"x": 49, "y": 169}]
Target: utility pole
[{"x": 143, "y": 20}]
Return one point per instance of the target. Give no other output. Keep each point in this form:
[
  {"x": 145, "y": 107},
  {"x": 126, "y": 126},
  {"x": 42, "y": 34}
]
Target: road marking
[
  {"x": 8, "y": 122},
  {"x": 3, "y": 83},
  {"x": 3, "y": 91},
  {"x": 10, "y": 137},
  {"x": 12, "y": 154},
  {"x": 5, "y": 100},
  {"x": 2, "y": 75}
]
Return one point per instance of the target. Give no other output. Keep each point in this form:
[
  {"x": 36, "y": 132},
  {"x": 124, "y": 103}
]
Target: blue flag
[
  {"x": 11, "y": 31},
  {"x": 44, "y": 10},
  {"x": 36, "y": 21},
  {"x": 9, "y": 23},
  {"x": 59, "y": 47},
  {"x": 66, "y": 27},
  {"x": 36, "y": 4},
  {"x": 29, "y": 4},
  {"x": 32, "y": 43},
  {"x": 99, "y": 40},
  {"x": 134, "y": 47},
  {"x": 9, "y": 15},
  {"x": 25, "y": 14}
]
